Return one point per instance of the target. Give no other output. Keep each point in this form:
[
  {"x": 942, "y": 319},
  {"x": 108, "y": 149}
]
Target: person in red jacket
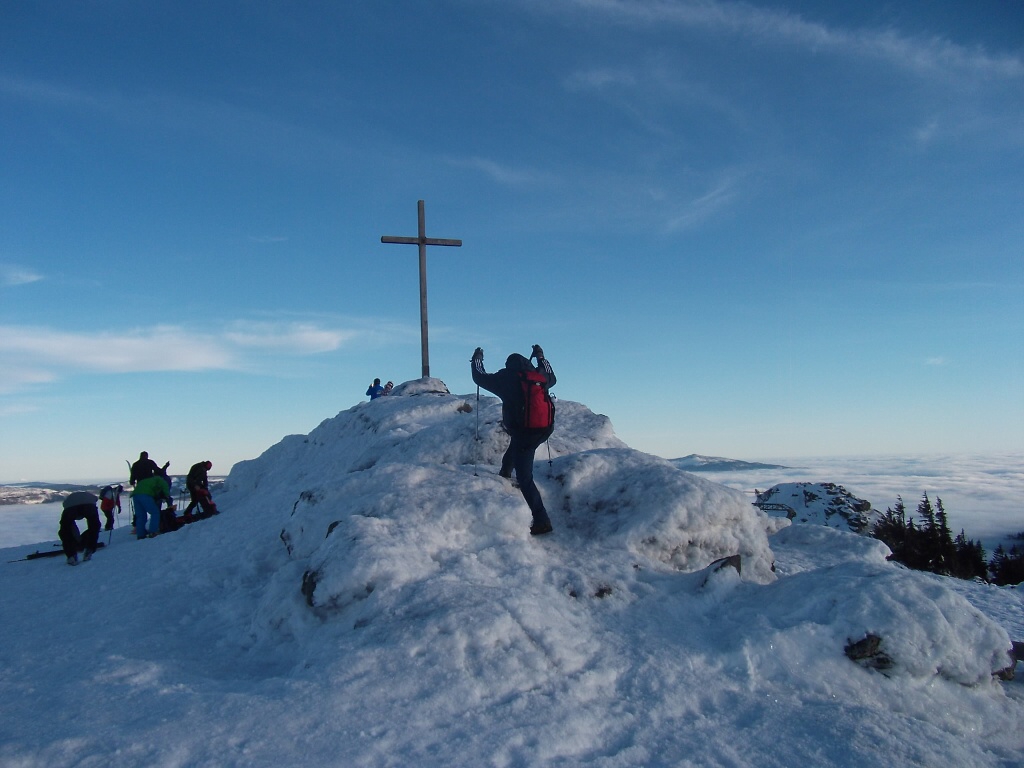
[{"x": 512, "y": 384}]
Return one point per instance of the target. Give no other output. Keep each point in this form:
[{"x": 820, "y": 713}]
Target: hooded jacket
[{"x": 197, "y": 476}]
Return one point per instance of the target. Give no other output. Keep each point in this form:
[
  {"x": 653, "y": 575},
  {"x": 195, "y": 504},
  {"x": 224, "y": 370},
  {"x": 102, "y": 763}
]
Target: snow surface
[{"x": 370, "y": 596}]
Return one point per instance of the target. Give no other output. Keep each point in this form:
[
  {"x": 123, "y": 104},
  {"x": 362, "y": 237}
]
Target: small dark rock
[
  {"x": 868, "y": 653},
  {"x": 309, "y": 579}
]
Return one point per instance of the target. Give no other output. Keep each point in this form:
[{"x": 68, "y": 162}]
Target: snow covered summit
[
  {"x": 396, "y": 503},
  {"x": 379, "y": 497},
  {"x": 370, "y": 595}
]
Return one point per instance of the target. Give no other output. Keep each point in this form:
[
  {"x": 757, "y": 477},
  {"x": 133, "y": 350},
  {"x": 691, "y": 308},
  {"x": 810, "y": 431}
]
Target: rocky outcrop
[{"x": 818, "y": 503}]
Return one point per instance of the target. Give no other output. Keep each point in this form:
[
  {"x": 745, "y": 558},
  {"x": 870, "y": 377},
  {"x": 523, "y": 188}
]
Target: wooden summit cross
[{"x": 422, "y": 241}]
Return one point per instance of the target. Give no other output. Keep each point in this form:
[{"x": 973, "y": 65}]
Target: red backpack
[{"x": 538, "y": 411}]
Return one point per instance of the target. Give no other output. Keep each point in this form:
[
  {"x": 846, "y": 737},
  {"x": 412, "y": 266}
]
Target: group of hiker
[
  {"x": 375, "y": 390},
  {"x": 151, "y": 491}
]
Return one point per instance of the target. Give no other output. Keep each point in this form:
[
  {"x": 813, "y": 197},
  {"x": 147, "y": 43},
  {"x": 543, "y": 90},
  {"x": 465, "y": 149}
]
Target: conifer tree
[
  {"x": 1007, "y": 567},
  {"x": 928, "y": 544},
  {"x": 928, "y": 549},
  {"x": 945, "y": 550}
]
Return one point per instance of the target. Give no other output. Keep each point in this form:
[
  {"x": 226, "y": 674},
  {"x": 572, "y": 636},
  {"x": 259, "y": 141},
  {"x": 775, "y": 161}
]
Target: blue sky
[{"x": 755, "y": 230}]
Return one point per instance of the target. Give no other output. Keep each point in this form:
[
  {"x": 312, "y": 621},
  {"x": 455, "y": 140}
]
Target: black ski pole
[{"x": 476, "y": 446}]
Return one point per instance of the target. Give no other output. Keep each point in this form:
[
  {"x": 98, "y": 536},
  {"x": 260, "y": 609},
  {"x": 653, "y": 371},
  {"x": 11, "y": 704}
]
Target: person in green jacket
[{"x": 148, "y": 494}]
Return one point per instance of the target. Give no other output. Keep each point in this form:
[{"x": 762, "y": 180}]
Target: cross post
[{"x": 422, "y": 241}]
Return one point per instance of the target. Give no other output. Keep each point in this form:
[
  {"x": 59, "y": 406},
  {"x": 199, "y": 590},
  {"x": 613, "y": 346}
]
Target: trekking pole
[
  {"x": 549, "y": 457},
  {"x": 117, "y": 503},
  {"x": 476, "y": 447}
]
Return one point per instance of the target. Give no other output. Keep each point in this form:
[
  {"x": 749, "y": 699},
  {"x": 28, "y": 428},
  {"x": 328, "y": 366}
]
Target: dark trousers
[
  {"x": 70, "y": 538},
  {"x": 520, "y": 456},
  {"x": 200, "y": 497}
]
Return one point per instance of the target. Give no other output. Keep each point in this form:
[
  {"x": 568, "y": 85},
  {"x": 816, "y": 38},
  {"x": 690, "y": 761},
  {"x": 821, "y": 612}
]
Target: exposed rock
[{"x": 868, "y": 653}]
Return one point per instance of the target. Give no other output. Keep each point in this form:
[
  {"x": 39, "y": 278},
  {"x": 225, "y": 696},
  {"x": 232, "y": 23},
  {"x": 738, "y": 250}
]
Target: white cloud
[
  {"x": 12, "y": 275},
  {"x": 502, "y": 174},
  {"x": 700, "y": 209},
  {"x": 163, "y": 348},
  {"x": 16, "y": 409},
  {"x": 598, "y": 79},
  {"x": 936, "y": 361},
  {"x": 779, "y": 27},
  {"x": 32, "y": 355},
  {"x": 295, "y": 338},
  {"x": 15, "y": 377},
  {"x": 43, "y": 92}
]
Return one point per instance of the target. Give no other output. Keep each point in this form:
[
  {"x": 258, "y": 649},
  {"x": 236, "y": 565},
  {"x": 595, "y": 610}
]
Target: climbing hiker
[
  {"x": 375, "y": 390},
  {"x": 528, "y": 416}
]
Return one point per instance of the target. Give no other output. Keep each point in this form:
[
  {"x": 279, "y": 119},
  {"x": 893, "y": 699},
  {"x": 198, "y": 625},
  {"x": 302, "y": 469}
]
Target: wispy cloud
[
  {"x": 12, "y": 275},
  {"x": 294, "y": 338},
  {"x": 31, "y": 355},
  {"x": 936, "y": 361},
  {"x": 503, "y": 174},
  {"x": 699, "y": 209},
  {"x": 44, "y": 92},
  {"x": 16, "y": 409},
  {"x": 598, "y": 79},
  {"x": 162, "y": 348},
  {"x": 768, "y": 25}
]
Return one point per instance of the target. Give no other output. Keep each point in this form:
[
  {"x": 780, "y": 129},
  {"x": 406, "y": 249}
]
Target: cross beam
[{"x": 422, "y": 241}]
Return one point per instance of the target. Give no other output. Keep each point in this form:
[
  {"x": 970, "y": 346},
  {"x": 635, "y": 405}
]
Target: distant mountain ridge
[
  {"x": 697, "y": 463},
  {"x": 40, "y": 493},
  {"x": 47, "y": 493}
]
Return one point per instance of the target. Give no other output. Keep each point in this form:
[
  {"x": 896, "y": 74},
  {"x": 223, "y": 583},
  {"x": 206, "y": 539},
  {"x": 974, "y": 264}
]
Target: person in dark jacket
[
  {"x": 198, "y": 484},
  {"x": 80, "y": 505},
  {"x": 145, "y": 467},
  {"x": 524, "y": 442}
]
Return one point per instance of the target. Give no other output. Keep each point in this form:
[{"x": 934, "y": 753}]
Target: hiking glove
[
  {"x": 478, "y": 354},
  {"x": 538, "y": 352}
]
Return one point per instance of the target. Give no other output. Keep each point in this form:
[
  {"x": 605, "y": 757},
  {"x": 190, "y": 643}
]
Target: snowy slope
[{"x": 371, "y": 596}]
